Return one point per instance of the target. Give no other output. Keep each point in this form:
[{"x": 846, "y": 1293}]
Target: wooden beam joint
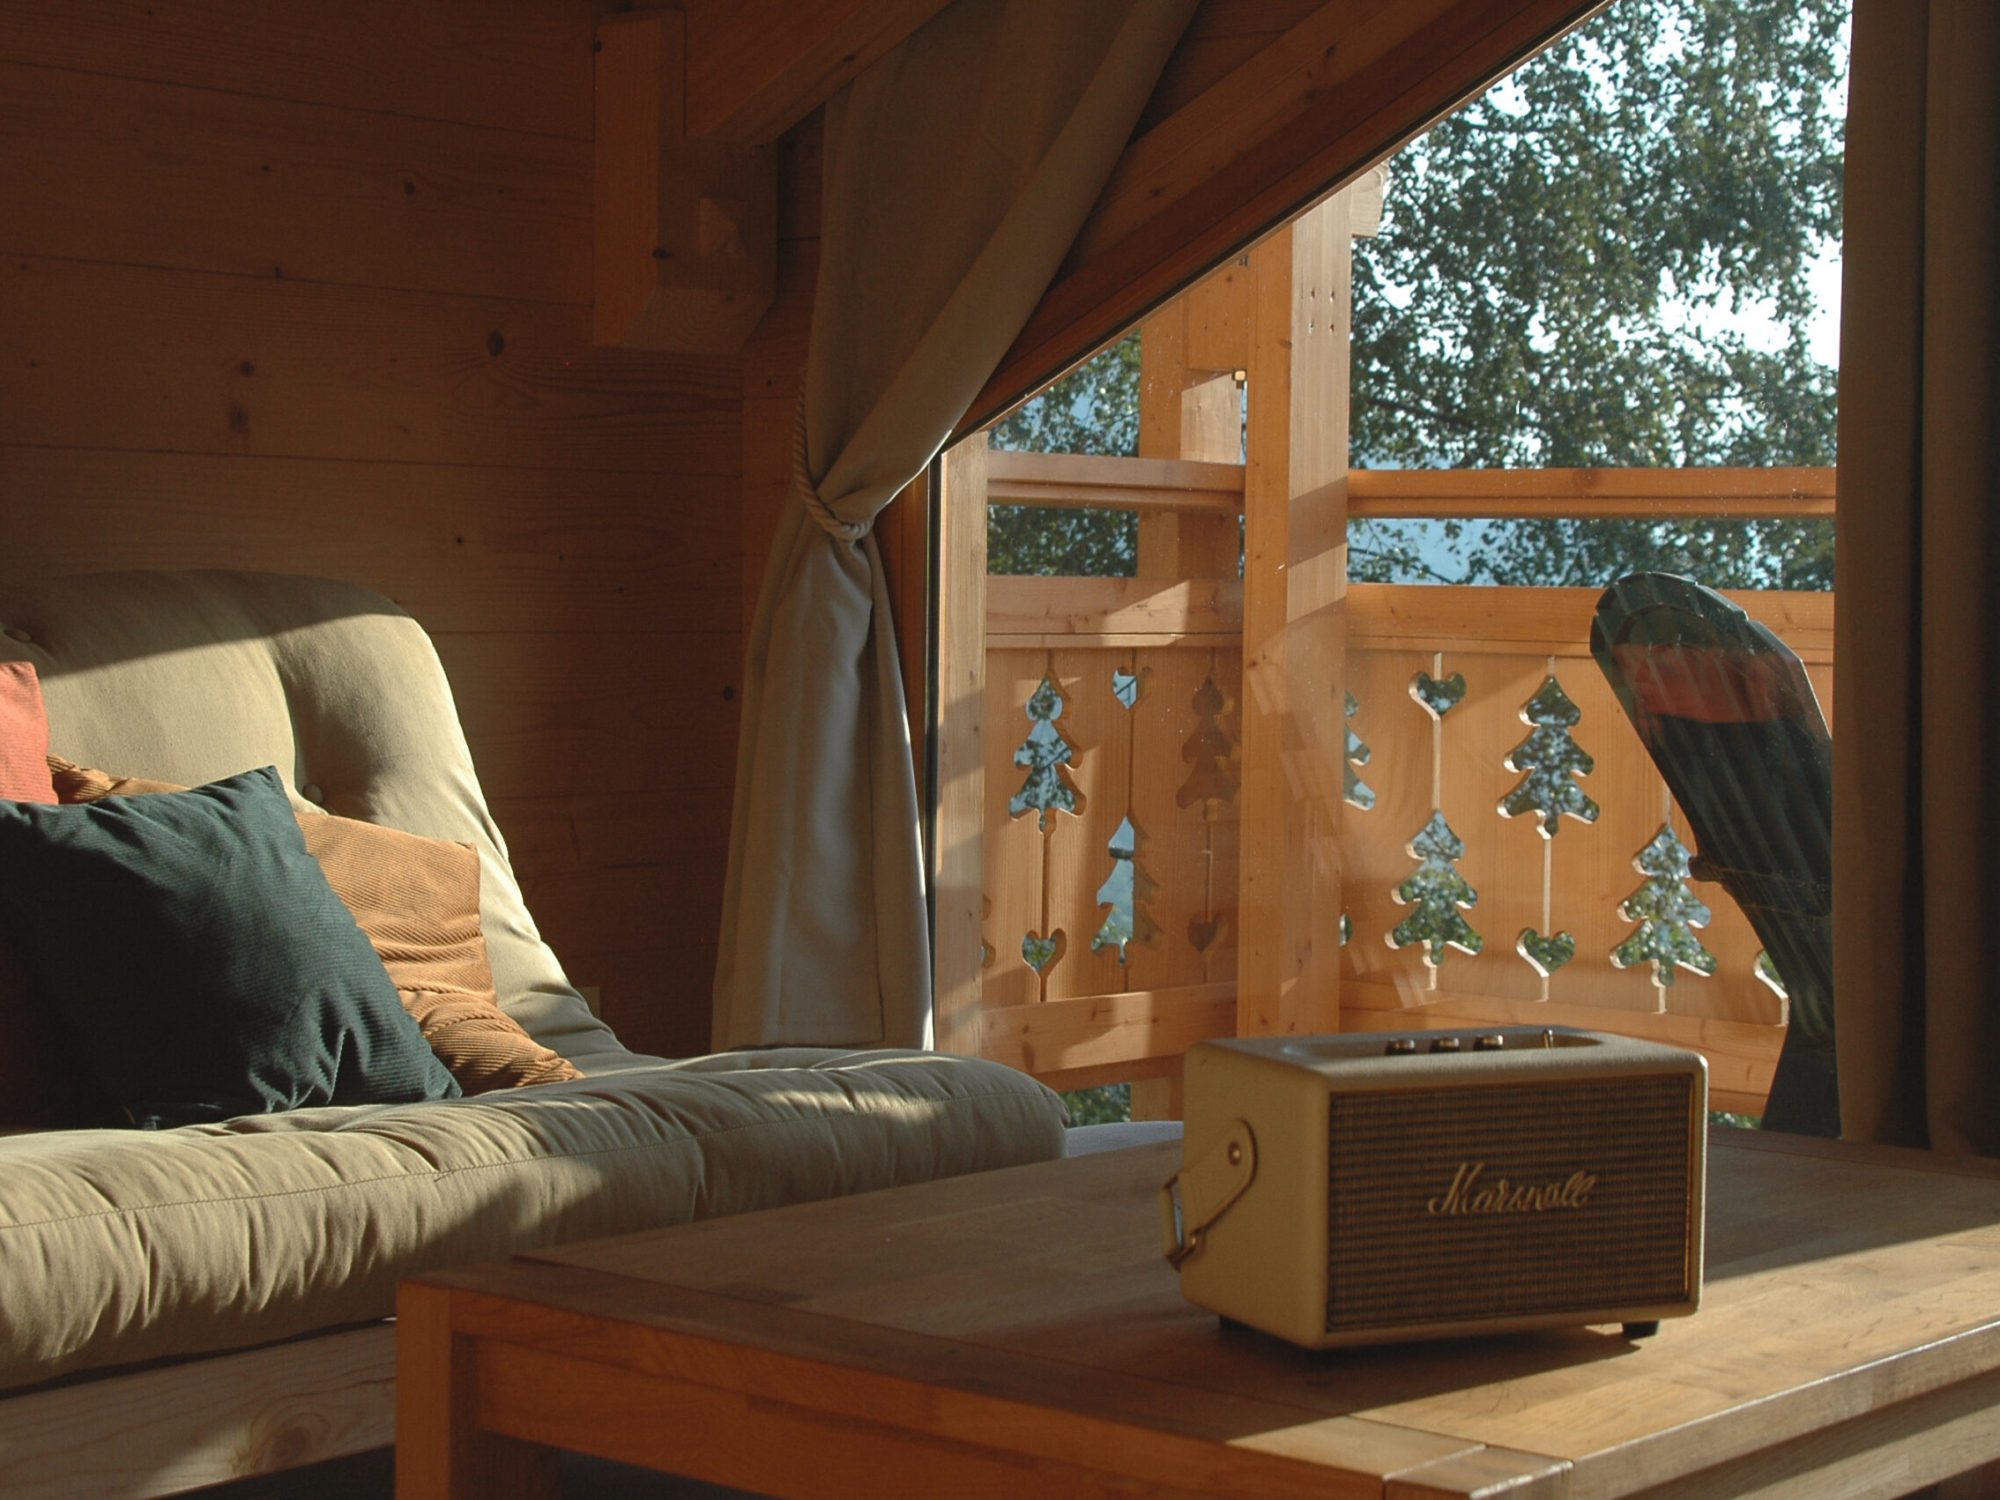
[{"x": 686, "y": 247}]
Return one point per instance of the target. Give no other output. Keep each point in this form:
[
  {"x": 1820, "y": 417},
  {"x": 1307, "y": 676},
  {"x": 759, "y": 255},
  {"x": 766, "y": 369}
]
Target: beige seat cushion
[
  {"x": 190, "y": 677},
  {"x": 121, "y": 1246},
  {"x": 125, "y": 1246}
]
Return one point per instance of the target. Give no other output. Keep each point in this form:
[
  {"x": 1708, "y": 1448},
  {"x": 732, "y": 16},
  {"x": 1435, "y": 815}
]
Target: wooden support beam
[
  {"x": 1294, "y": 647},
  {"x": 1141, "y": 484},
  {"x": 1092, "y": 1031},
  {"x": 686, "y": 229},
  {"x": 1216, "y": 321},
  {"x": 1191, "y": 409},
  {"x": 1321, "y": 104},
  {"x": 958, "y": 871},
  {"x": 1188, "y": 413},
  {"x": 1075, "y": 607},
  {"x": 758, "y": 67}
]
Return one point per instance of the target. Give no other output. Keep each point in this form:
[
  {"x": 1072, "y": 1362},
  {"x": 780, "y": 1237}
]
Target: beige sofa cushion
[
  {"x": 118, "y": 1247},
  {"x": 126, "y": 1246},
  {"x": 190, "y": 677}
]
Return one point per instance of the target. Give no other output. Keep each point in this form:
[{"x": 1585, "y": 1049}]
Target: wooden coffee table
[{"x": 1017, "y": 1334}]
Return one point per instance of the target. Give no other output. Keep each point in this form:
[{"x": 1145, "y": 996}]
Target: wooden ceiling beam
[
  {"x": 758, "y": 67},
  {"x": 1331, "y": 96}
]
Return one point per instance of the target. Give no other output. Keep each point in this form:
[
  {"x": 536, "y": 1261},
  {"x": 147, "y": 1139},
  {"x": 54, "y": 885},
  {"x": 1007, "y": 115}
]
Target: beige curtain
[
  {"x": 957, "y": 171},
  {"x": 1917, "y": 675}
]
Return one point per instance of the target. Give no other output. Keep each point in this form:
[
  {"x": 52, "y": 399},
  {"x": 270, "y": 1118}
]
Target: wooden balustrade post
[
  {"x": 958, "y": 876},
  {"x": 1191, "y": 408},
  {"x": 1294, "y": 588}
]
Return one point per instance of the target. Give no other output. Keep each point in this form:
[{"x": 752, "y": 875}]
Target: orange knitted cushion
[
  {"x": 417, "y": 899},
  {"x": 24, "y": 735}
]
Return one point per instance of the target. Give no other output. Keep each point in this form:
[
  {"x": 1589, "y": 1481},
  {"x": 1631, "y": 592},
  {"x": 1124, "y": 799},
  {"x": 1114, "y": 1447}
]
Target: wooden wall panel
[
  {"x": 568, "y": 551},
  {"x": 511, "y": 63},
  {"x": 306, "y": 287},
  {"x": 212, "y": 363},
  {"x": 330, "y": 194}
]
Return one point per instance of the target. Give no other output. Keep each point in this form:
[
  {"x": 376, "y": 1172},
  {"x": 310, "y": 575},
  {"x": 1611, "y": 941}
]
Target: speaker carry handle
[{"x": 1196, "y": 1196}]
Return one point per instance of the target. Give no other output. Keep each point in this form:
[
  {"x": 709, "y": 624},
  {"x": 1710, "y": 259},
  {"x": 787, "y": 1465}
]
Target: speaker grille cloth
[{"x": 1390, "y": 1261}]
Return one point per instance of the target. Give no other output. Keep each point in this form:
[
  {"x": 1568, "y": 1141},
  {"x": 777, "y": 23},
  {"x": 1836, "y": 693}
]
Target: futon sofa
[{"x": 179, "y": 1306}]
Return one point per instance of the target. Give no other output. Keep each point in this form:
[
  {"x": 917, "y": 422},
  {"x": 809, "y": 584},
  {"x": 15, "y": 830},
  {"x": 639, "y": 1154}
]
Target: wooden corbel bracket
[{"x": 686, "y": 250}]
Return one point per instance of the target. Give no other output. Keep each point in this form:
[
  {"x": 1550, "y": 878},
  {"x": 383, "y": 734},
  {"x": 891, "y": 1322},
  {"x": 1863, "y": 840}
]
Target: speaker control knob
[
  {"x": 1400, "y": 1046},
  {"x": 1445, "y": 1044},
  {"x": 1493, "y": 1041}
]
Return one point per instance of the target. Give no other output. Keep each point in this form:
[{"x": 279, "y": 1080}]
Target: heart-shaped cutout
[
  {"x": 1545, "y": 954},
  {"x": 1203, "y": 931},
  {"x": 1039, "y": 952},
  {"x": 1439, "y": 697}
]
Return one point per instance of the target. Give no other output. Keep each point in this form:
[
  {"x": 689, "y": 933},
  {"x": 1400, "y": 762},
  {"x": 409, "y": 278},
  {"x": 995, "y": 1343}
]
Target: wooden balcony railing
[{"x": 1109, "y": 729}]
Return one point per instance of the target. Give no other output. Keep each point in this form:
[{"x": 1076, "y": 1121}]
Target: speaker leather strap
[{"x": 1197, "y": 1195}]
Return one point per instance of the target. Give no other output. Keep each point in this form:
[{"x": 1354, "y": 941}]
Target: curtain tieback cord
[{"x": 802, "y": 481}]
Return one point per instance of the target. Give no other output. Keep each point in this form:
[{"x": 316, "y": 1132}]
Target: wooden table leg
[{"x": 441, "y": 1452}]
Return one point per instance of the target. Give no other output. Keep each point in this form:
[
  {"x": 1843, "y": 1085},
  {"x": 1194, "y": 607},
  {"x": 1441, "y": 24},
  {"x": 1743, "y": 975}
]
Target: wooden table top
[{"x": 1850, "y": 1326}]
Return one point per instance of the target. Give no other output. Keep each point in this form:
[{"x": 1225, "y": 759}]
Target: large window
[{"x": 1593, "y": 329}]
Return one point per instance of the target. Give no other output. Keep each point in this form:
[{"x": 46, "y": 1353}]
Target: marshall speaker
[{"x": 1367, "y": 1187}]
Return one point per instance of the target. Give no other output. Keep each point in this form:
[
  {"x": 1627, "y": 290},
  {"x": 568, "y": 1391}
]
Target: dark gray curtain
[{"x": 1917, "y": 694}]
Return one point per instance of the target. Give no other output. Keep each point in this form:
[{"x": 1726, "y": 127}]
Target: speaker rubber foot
[{"x": 1642, "y": 1330}]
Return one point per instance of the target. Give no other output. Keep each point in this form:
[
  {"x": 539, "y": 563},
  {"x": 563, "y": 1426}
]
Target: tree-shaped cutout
[
  {"x": 1437, "y": 893},
  {"x": 1667, "y": 913},
  {"x": 1045, "y": 752},
  {"x": 1355, "y": 790},
  {"x": 1206, "y": 750},
  {"x": 1552, "y": 761},
  {"x": 1126, "y": 922}
]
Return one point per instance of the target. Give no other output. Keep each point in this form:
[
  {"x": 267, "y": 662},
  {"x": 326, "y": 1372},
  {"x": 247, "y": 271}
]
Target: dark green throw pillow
[{"x": 199, "y": 960}]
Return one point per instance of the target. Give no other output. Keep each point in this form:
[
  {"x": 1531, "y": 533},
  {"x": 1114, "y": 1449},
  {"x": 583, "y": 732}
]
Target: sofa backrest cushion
[
  {"x": 201, "y": 960},
  {"x": 24, "y": 735},
  {"x": 417, "y": 902},
  {"x": 190, "y": 677}
]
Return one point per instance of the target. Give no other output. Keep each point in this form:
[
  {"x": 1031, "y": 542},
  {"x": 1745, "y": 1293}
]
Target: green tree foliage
[
  {"x": 1436, "y": 893},
  {"x": 1667, "y": 912},
  {"x": 1551, "y": 761},
  {"x": 1108, "y": 1104},
  {"x": 1571, "y": 274},
  {"x": 1606, "y": 260},
  {"x": 1093, "y": 409}
]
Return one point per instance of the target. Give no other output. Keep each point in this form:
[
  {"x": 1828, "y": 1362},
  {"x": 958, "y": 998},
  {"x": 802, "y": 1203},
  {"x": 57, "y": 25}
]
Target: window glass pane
[{"x": 1232, "y": 768}]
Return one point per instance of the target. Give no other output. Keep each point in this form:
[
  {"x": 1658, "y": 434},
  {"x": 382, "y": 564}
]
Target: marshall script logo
[{"x": 1468, "y": 1194}]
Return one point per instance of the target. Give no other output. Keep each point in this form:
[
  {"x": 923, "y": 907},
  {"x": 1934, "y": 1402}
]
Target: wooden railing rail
[
  {"x": 1085, "y": 1013},
  {"x": 1152, "y": 485},
  {"x": 1105, "y": 923},
  {"x": 1588, "y": 494},
  {"x": 1141, "y": 484}
]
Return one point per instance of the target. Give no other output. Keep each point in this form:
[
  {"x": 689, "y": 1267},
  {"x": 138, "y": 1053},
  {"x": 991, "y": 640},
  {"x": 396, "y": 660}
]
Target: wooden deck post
[
  {"x": 1190, "y": 407},
  {"x": 1294, "y": 587},
  {"x": 958, "y": 875}
]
